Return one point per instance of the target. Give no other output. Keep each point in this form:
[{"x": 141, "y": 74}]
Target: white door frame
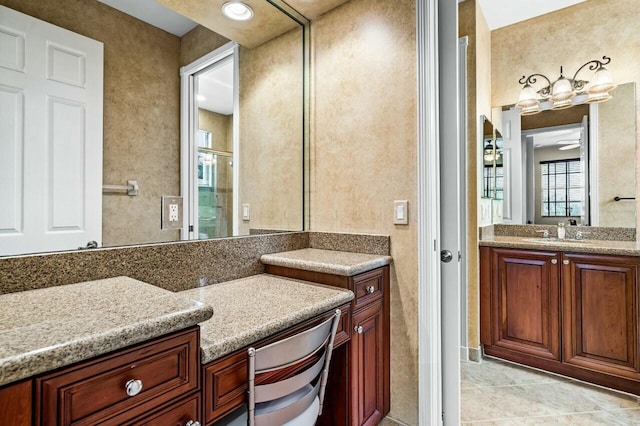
[
  {"x": 429, "y": 314},
  {"x": 188, "y": 124},
  {"x": 436, "y": 21}
]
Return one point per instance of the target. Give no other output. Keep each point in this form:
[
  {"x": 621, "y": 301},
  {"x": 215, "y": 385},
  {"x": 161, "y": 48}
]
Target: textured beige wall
[
  {"x": 616, "y": 151},
  {"x": 220, "y": 126},
  {"x": 270, "y": 158},
  {"x": 364, "y": 154},
  {"x": 141, "y": 112},
  {"x": 472, "y": 23},
  {"x": 198, "y": 42}
]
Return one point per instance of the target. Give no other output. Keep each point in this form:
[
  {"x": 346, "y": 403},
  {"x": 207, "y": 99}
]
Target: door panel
[
  {"x": 11, "y": 162},
  {"x": 600, "y": 310},
  {"x": 51, "y": 93},
  {"x": 526, "y": 316},
  {"x": 368, "y": 367}
]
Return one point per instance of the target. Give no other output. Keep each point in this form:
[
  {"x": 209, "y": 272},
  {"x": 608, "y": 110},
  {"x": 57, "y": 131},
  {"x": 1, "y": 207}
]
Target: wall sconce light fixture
[
  {"x": 561, "y": 93},
  {"x": 491, "y": 155}
]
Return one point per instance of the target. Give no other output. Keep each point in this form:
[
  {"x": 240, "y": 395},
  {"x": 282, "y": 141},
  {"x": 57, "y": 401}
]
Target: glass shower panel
[{"x": 215, "y": 194}]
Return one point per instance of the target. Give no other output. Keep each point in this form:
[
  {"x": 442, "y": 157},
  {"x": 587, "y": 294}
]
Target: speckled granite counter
[
  {"x": 623, "y": 248},
  {"x": 44, "y": 329},
  {"x": 327, "y": 261},
  {"x": 250, "y": 309}
]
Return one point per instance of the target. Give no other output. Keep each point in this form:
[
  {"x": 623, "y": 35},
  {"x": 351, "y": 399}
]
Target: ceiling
[
  {"x": 155, "y": 14},
  {"x": 500, "y": 13},
  {"x": 557, "y": 138},
  {"x": 178, "y": 17},
  {"x": 216, "y": 86}
]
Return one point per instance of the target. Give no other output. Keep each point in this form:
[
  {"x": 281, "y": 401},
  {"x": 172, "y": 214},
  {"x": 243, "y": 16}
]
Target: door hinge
[
  {"x": 443, "y": 417},
  {"x": 190, "y": 228},
  {"x": 459, "y": 256}
]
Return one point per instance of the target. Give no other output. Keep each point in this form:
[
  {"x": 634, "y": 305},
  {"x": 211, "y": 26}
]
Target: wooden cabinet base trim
[{"x": 607, "y": 380}]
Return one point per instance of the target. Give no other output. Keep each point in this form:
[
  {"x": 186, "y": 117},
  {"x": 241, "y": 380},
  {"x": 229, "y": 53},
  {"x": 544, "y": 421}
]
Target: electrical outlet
[
  {"x": 173, "y": 212},
  {"x": 171, "y": 208}
]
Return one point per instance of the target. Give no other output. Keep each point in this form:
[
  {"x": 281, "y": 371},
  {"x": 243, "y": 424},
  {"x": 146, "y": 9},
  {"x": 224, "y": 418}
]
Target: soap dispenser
[{"x": 561, "y": 231}]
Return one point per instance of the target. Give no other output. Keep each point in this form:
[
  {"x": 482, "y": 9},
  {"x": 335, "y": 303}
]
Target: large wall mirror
[
  {"x": 92, "y": 144},
  {"x": 575, "y": 165}
]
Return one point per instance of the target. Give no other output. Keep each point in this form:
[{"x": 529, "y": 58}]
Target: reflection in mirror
[
  {"x": 140, "y": 127},
  {"x": 579, "y": 162}
]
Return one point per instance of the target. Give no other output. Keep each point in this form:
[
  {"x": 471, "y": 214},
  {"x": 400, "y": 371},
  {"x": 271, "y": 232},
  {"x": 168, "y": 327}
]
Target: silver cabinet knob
[
  {"x": 192, "y": 423},
  {"x": 565, "y": 262},
  {"x": 133, "y": 387},
  {"x": 358, "y": 329},
  {"x": 371, "y": 289},
  {"x": 554, "y": 261}
]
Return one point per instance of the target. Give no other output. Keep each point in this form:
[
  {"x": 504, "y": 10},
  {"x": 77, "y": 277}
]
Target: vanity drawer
[
  {"x": 368, "y": 287},
  {"x": 176, "y": 414},
  {"x": 96, "y": 391}
]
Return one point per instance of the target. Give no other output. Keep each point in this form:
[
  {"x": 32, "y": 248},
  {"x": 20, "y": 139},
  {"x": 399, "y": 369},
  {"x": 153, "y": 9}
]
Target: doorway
[{"x": 210, "y": 145}]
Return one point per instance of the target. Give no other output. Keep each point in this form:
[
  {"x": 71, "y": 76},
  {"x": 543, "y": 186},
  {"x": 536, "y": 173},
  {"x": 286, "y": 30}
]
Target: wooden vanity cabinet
[
  {"x": 96, "y": 391},
  {"x": 601, "y": 298},
  {"x": 524, "y": 311},
  {"x": 573, "y": 314},
  {"x": 368, "y": 360}
]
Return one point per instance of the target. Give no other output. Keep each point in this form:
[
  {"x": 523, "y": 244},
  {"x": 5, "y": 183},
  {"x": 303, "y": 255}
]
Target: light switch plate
[
  {"x": 401, "y": 212},
  {"x": 245, "y": 212},
  {"x": 171, "y": 217}
]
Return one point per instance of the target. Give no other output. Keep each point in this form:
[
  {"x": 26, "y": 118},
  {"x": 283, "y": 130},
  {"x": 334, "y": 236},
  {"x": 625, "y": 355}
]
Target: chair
[{"x": 296, "y": 400}]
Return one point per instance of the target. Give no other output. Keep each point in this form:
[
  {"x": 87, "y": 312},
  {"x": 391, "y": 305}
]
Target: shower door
[{"x": 215, "y": 190}]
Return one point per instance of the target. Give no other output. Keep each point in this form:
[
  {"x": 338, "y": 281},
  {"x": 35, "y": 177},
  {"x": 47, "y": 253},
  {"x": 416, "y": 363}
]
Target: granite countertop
[
  {"x": 41, "y": 330},
  {"x": 623, "y": 248},
  {"x": 250, "y": 309},
  {"x": 327, "y": 261}
]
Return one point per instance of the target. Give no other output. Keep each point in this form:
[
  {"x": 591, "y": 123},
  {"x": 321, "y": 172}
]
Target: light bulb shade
[
  {"x": 531, "y": 110},
  {"x": 564, "y": 104},
  {"x": 594, "y": 98},
  {"x": 562, "y": 90},
  {"x": 528, "y": 97},
  {"x": 602, "y": 82}
]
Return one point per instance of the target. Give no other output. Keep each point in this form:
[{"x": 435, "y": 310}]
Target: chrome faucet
[
  {"x": 545, "y": 233},
  {"x": 580, "y": 235}
]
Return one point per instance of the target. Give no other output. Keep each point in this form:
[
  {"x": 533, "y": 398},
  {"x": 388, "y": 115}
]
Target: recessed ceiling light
[
  {"x": 568, "y": 147},
  {"x": 237, "y": 11},
  {"x": 201, "y": 98}
]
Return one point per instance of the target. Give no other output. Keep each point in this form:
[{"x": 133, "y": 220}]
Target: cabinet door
[
  {"x": 525, "y": 302},
  {"x": 367, "y": 374},
  {"x": 16, "y": 404},
  {"x": 600, "y": 308},
  {"x": 178, "y": 414}
]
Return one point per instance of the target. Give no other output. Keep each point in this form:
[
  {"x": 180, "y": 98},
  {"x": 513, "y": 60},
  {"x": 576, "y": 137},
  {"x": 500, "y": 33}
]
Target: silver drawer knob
[
  {"x": 565, "y": 262},
  {"x": 371, "y": 289},
  {"x": 192, "y": 423},
  {"x": 133, "y": 387},
  {"x": 554, "y": 261},
  {"x": 358, "y": 329}
]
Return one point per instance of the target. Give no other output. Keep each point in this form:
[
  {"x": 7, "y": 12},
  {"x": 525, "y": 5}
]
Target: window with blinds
[{"x": 562, "y": 185}]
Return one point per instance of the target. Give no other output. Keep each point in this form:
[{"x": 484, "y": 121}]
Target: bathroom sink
[{"x": 556, "y": 241}]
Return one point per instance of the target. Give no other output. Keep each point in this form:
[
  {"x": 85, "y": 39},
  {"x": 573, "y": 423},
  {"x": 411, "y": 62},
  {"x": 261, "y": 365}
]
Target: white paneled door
[{"x": 51, "y": 88}]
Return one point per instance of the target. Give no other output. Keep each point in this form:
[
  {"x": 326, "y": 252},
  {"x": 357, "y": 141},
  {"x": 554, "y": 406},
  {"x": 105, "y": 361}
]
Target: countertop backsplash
[
  {"x": 174, "y": 266},
  {"x": 592, "y": 232}
]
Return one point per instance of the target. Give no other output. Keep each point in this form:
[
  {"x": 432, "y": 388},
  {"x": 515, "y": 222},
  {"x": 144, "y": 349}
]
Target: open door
[{"x": 514, "y": 167}]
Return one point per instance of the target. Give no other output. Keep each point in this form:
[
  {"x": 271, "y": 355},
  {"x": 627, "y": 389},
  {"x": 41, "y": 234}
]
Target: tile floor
[{"x": 499, "y": 393}]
